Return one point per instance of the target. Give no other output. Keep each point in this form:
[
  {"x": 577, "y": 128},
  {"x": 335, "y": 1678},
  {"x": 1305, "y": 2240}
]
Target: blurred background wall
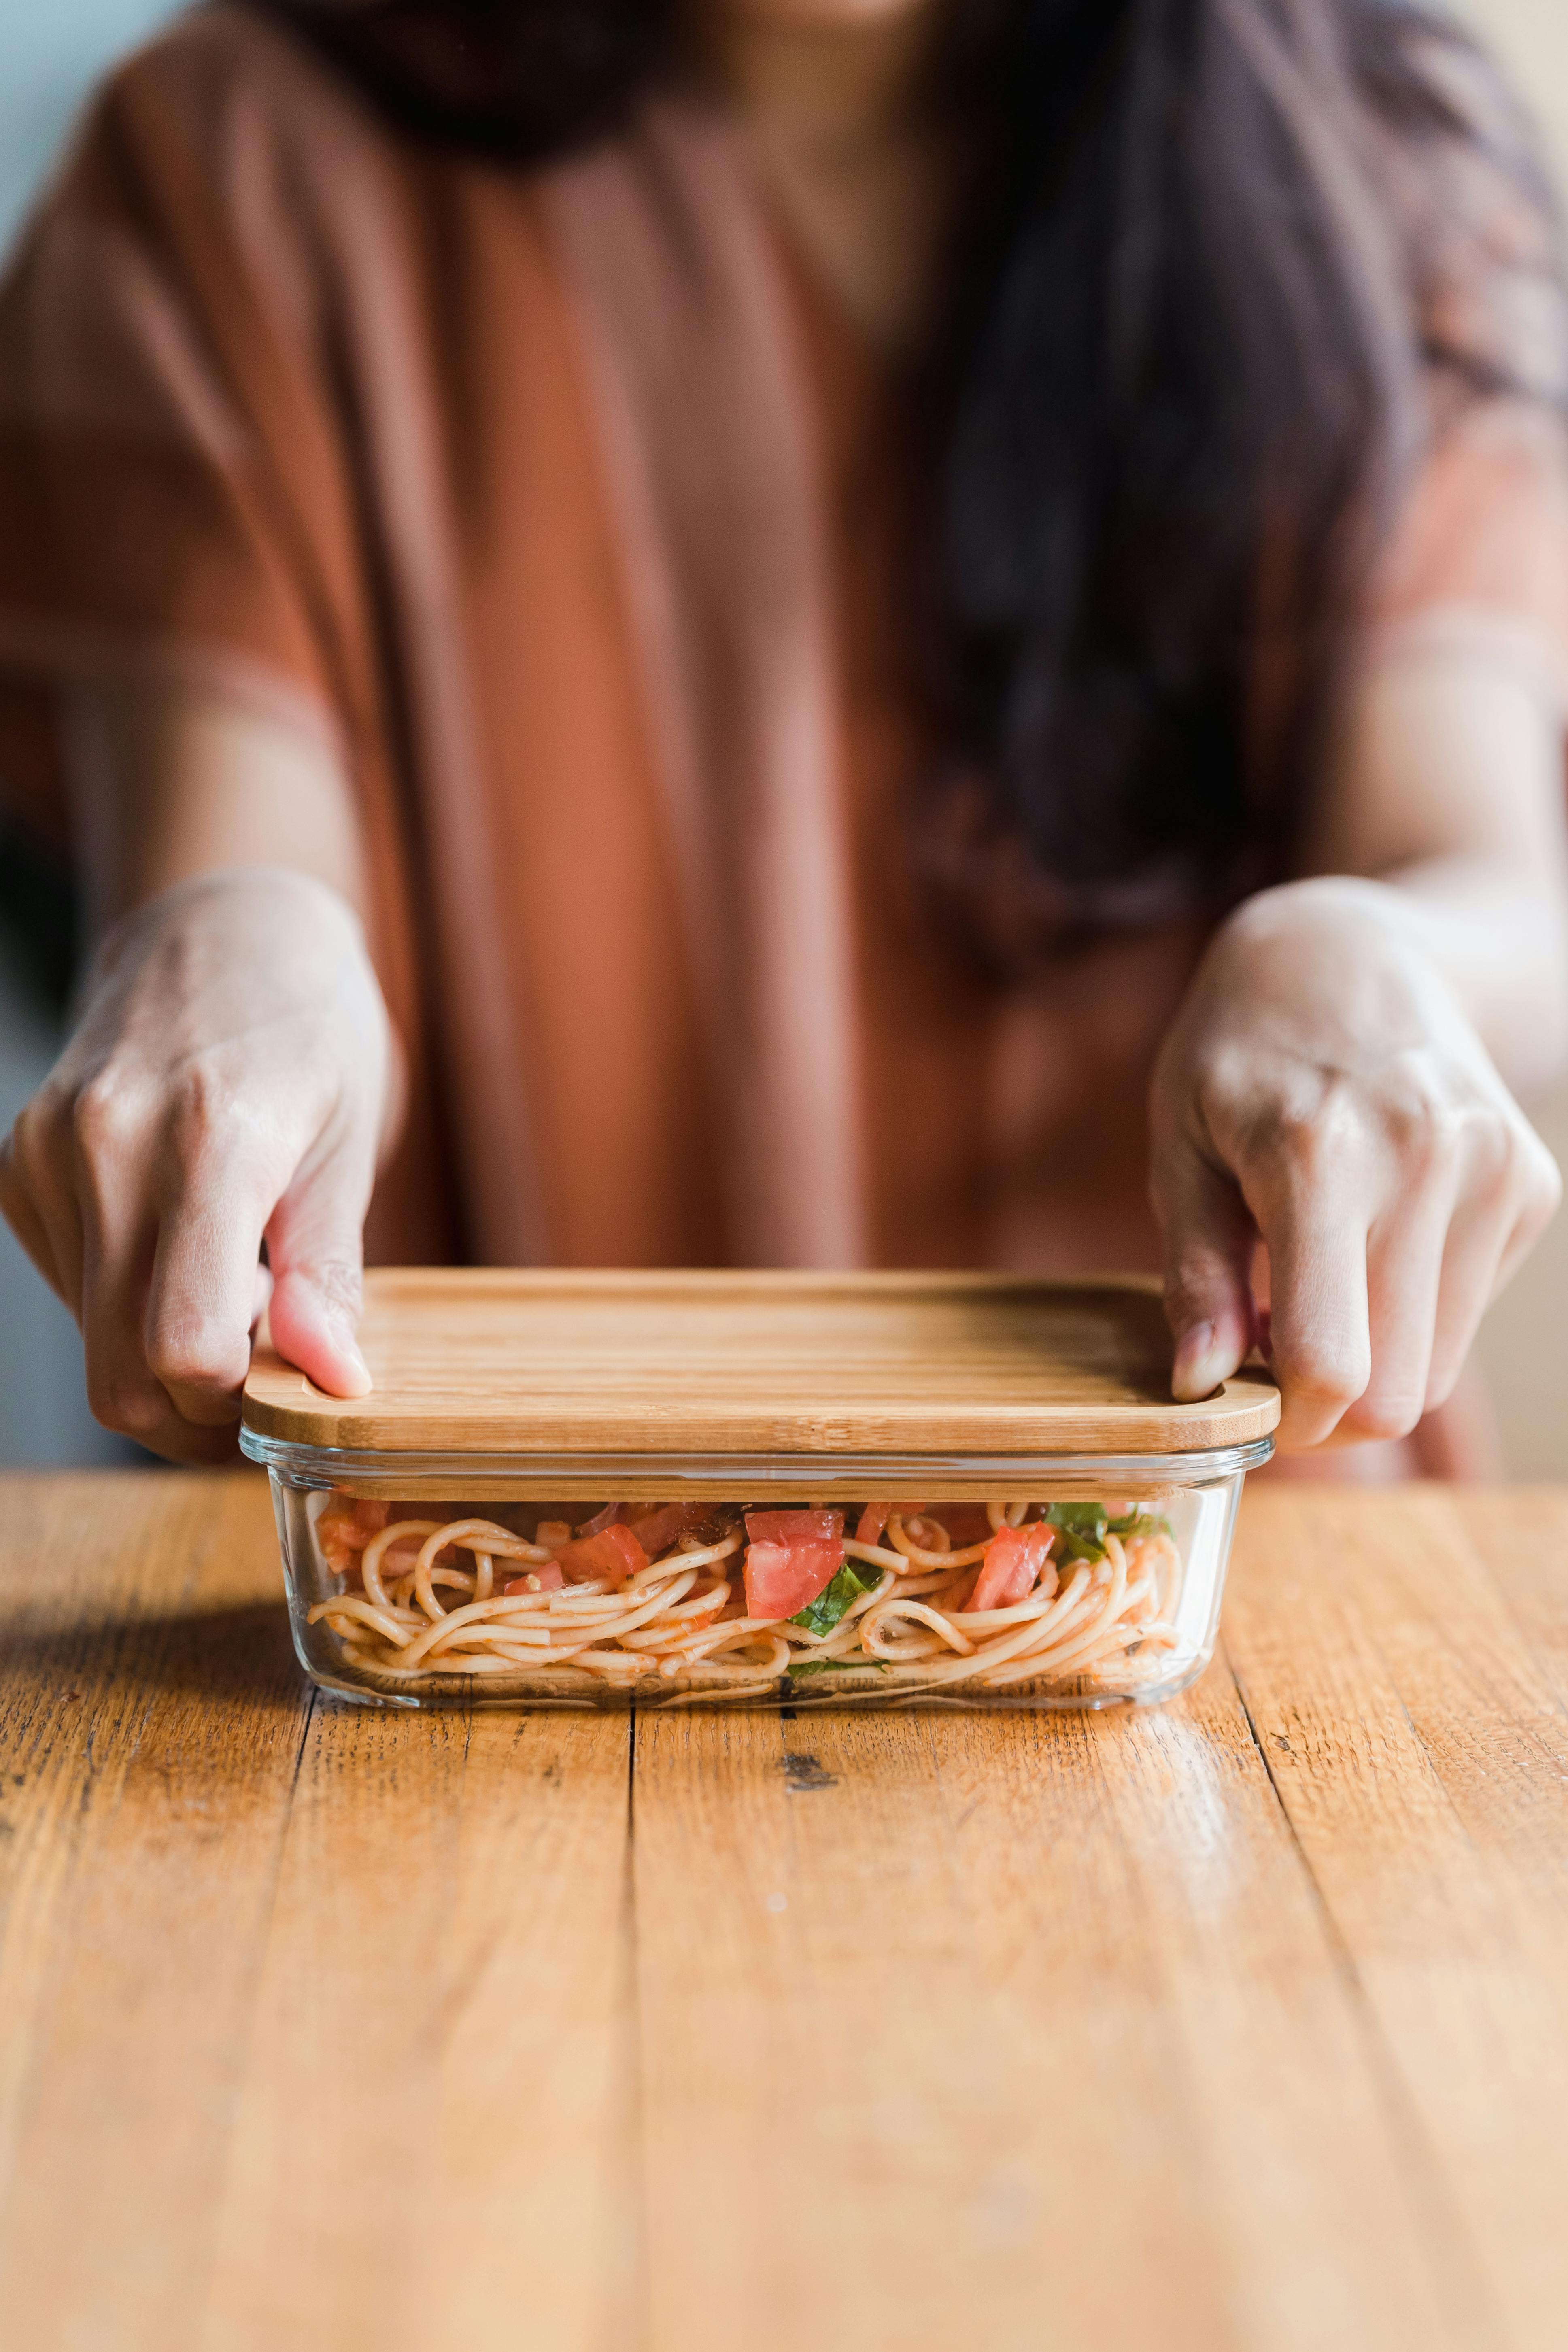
[
  {"x": 49, "y": 56},
  {"x": 1524, "y": 1347}
]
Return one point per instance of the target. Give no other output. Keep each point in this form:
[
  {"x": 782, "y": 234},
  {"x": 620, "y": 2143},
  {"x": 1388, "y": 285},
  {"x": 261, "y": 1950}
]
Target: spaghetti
[{"x": 1074, "y": 1600}]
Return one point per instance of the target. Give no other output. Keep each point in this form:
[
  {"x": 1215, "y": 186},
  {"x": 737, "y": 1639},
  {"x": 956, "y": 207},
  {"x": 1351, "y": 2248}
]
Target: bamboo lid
[{"x": 678, "y": 1364}]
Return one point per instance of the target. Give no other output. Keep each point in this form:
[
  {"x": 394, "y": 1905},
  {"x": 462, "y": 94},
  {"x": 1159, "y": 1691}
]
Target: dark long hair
[{"x": 1218, "y": 269}]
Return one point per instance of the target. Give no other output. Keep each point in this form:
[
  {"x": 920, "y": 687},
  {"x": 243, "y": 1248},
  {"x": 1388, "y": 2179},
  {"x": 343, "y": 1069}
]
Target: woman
[{"x": 825, "y": 631}]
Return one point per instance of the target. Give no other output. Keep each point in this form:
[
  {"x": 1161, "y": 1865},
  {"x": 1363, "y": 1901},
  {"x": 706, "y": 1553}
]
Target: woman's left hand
[{"x": 1323, "y": 1091}]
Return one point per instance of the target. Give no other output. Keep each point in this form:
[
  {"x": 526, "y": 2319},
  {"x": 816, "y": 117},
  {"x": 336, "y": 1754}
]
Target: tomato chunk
[
  {"x": 355, "y": 1525},
  {"x": 656, "y": 1528},
  {"x": 612, "y": 1555},
  {"x": 873, "y": 1519},
  {"x": 545, "y": 1578},
  {"x": 1014, "y": 1561},
  {"x": 343, "y": 1532},
  {"x": 607, "y": 1518},
  {"x": 792, "y": 1556}
]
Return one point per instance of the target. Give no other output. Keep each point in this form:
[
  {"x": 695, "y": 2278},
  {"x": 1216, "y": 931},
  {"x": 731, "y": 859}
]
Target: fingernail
[
  {"x": 1193, "y": 1358},
  {"x": 357, "y": 1364}
]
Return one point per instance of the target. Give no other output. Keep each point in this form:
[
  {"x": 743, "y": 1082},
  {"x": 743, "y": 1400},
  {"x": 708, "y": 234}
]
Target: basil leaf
[
  {"x": 1139, "y": 1523},
  {"x": 836, "y": 1599},
  {"x": 1081, "y": 1529}
]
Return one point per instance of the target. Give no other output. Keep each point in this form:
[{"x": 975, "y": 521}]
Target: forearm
[
  {"x": 231, "y": 1076},
  {"x": 1500, "y": 938},
  {"x": 166, "y": 785},
  {"x": 1440, "y": 833},
  {"x": 1497, "y": 938}
]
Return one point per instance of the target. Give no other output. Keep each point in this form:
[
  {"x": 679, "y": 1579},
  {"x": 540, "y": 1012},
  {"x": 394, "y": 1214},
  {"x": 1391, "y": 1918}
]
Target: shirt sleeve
[
  {"x": 173, "y": 494},
  {"x": 1476, "y": 570}
]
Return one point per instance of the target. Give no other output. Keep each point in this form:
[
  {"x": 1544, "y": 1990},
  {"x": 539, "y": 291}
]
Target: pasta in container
[{"x": 572, "y": 1489}]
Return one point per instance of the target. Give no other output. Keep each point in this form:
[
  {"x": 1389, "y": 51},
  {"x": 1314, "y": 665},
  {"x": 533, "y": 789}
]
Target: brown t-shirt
[{"x": 563, "y": 505}]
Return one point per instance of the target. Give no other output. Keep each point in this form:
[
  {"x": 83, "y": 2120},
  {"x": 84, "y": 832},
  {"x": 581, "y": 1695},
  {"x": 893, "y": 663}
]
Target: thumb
[
  {"x": 315, "y": 1249},
  {"x": 1209, "y": 1238}
]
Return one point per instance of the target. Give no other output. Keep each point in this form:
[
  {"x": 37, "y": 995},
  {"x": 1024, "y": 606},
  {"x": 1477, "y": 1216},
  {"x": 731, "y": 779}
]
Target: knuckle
[
  {"x": 194, "y": 1352},
  {"x": 31, "y": 1154},
  {"x": 1390, "y": 1414},
  {"x": 126, "y": 1406},
  {"x": 1540, "y": 1179},
  {"x": 34, "y": 1130},
  {"x": 1320, "y": 1375},
  {"x": 1547, "y": 1196},
  {"x": 105, "y": 1119},
  {"x": 203, "y": 1113},
  {"x": 1307, "y": 1144},
  {"x": 1279, "y": 1132},
  {"x": 1501, "y": 1154},
  {"x": 1428, "y": 1138},
  {"x": 1515, "y": 1173},
  {"x": 216, "y": 1132}
]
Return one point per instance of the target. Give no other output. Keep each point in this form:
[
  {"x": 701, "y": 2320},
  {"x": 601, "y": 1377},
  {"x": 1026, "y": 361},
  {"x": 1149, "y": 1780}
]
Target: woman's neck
[{"x": 832, "y": 116}]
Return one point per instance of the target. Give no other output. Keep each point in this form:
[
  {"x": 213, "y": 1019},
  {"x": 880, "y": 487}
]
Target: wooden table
[{"x": 1244, "y": 2023}]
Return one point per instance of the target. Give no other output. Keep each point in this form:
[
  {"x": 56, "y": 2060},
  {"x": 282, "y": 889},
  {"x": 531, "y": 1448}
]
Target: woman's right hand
[{"x": 231, "y": 1080}]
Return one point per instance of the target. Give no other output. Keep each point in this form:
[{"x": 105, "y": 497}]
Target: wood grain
[
  {"x": 279, "y": 1983},
  {"x": 150, "y": 1725},
  {"x": 433, "y": 2116},
  {"x": 708, "y": 1364},
  {"x": 1240, "y": 2026},
  {"x": 1050, "y": 1999},
  {"x": 1421, "y": 1752}
]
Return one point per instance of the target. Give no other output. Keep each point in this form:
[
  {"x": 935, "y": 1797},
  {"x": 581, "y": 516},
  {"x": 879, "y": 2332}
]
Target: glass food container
[{"x": 571, "y": 1489}]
